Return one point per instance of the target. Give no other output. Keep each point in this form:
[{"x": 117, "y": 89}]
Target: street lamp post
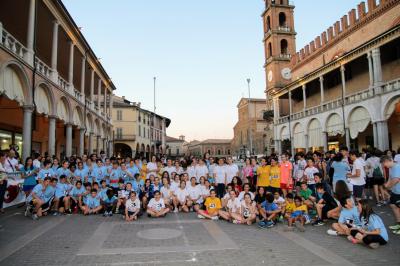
[
  {"x": 154, "y": 116},
  {"x": 250, "y": 135}
]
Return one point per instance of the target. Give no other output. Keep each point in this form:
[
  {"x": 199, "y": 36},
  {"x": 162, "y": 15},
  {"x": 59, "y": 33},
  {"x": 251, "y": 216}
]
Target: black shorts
[
  {"x": 370, "y": 182},
  {"x": 46, "y": 206},
  {"x": 358, "y": 191},
  {"x": 368, "y": 239},
  {"x": 325, "y": 211},
  {"x": 130, "y": 213},
  {"x": 379, "y": 181},
  {"x": 395, "y": 199}
]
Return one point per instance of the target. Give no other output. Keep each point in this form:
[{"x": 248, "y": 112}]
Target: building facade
[
  {"x": 49, "y": 77},
  {"x": 341, "y": 88},
  {"x": 137, "y": 132},
  {"x": 175, "y": 146},
  {"x": 215, "y": 147},
  {"x": 252, "y": 129}
]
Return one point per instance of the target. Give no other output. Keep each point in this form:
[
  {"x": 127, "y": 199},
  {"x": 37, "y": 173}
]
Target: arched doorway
[{"x": 122, "y": 150}]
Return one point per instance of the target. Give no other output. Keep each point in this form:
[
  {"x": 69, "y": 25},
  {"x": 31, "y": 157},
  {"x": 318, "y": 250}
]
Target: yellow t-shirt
[
  {"x": 144, "y": 172},
  {"x": 263, "y": 176},
  {"x": 212, "y": 204},
  {"x": 290, "y": 207},
  {"x": 275, "y": 177},
  {"x": 301, "y": 208}
]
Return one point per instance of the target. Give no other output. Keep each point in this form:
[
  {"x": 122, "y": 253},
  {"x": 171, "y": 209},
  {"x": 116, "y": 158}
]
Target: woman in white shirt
[
  {"x": 191, "y": 170},
  {"x": 175, "y": 183},
  {"x": 166, "y": 193},
  {"x": 220, "y": 177},
  {"x": 205, "y": 191},
  {"x": 194, "y": 197},
  {"x": 249, "y": 210},
  {"x": 226, "y": 197},
  {"x": 201, "y": 170},
  {"x": 233, "y": 210},
  {"x": 231, "y": 170},
  {"x": 357, "y": 175},
  {"x": 180, "y": 198},
  {"x": 246, "y": 189},
  {"x": 178, "y": 168},
  {"x": 152, "y": 167}
]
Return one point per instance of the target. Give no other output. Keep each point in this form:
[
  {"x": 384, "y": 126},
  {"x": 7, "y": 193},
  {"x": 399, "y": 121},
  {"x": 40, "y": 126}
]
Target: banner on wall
[{"x": 14, "y": 194}]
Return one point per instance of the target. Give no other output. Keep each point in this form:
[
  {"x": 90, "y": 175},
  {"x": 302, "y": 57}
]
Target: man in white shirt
[
  {"x": 357, "y": 175},
  {"x": 220, "y": 177},
  {"x": 169, "y": 168},
  {"x": 191, "y": 170},
  {"x": 11, "y": 164},
  {"x": 201, "y": 170},
  {"x": 231, "y": 170}
]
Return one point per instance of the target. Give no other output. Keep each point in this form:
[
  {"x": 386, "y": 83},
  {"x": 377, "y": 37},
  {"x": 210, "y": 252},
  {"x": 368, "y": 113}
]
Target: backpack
[{"x": 377, "y": 173}]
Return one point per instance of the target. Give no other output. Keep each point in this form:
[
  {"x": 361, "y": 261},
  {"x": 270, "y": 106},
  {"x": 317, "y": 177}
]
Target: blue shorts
[{"x": 27, "y": 188}]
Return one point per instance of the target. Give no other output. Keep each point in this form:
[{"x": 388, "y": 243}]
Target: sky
[{"x": 201, "y": 53}]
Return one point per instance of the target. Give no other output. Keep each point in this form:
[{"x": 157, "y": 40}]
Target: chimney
[
  {"x": 330, "y": 34},
  {"x": 371, "y": 6},
  {"x": 318, "y": 42},
  {"x": 312, "y": 46},
  {"x": 123, "y": 97},
  {"x": 345, "y": 23},
  {"x": 337, "y": 28},
  {"x": 361, "y": 10},
  {"x": 307, "y": 50},
  {"x": 352, "y": 17},
  {"x": 323, "y": 38}
]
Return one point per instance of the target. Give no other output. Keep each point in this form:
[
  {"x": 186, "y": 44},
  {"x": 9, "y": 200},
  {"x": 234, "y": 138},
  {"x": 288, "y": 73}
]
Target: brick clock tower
[{"x": 279, "y": 44}]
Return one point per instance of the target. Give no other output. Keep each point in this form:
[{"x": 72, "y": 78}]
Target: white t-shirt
[
  {"x": 181, "y": 194},
  {"x": 372, "y": 163},
  {"x": 133, "y": 206},
  {"x": 178, "y": 170},
  {"x": 246, "y": 210},
  {"x": 299, "y": 172},
  {"x": 36, "y": 163},
  {"x": 358, "y": 164},
  {"x": 169, "y": 169},
  {"x": 10, "y": 165},
  {"x": 201, "y": 170},
  {"x": 166, "y": 192},
  {"x": 191, "y": 171},
  {"x": 233, "y": 205},
  {"x": 309, "y": 173},
  {"x": 151, "y": 167},
  {"x": 241, "y": 195},
  {"x": 397, "y": 158},
  {"x": 156, "y": 205},
  {"x": 220, "y": 172},
  {"x": 194, "y": 192},
  {"x": 231, "y": 171},
  {"x": 280, "y": 200},
  {"x": 174, "y": 186}
]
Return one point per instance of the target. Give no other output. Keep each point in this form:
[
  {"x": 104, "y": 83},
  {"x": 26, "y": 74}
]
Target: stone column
[
  {"x": 110, "y": 148},
  {"x": 54, "y": 53},
  {"x": 325, "y": 141},
  {"x": 98, "y": 140},
  {"x": 304, "y": 97},
  {"x": 92, "y": 85},
  {"x": 276, "y": 108},
  {"x": 375, "y": 133},
  {"x": 105, "y": 145},
  {"x": 163, "y": 142},
  {"x": 71, "y": 66},
  {"x": 382, "y": 135},
  {"x": 90, "y": 140},
  {"x": 377, "y": 66},
  {"x": 68, "y": 140},
  {"x": 99, "y": 95},
  {"x": 290, "y": 104},
  {"x": 52, "y": 136},
  {"x": 27, "y": 132},
  {"x": 30, "y": 33},
  {"x": 83, "y": 70},
  {"x": 105, "y": 101},
  {"x": 306, "y": 142},
  {"x": 81, "y": 141},
  {"x": 348, "y": 138},
  {"x": 343, "y": 77},
  {"x": 321, "y": 85},
  {"x": 110, "y": 105},
  {"x": 371, "y": 69}
]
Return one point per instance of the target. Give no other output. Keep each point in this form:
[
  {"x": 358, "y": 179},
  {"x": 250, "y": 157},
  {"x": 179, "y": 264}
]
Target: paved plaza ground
[{"x": 177, "y": 240}]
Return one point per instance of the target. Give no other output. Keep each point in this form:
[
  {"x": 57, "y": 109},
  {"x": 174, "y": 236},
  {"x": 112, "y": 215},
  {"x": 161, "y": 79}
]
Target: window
[
  {"x": 119, "y": 133},
  {"x": 140, "y": 131},
  {"x": 219, "y": 152},
  {"x": 177, "y": 151},
  {"x": 119, "y": 115},
  {"x": 148, "y": 133},
  {"x": 169, "y": 152},
  {"x": 229, "y": 152},
  {"x": 282, "y": 19},
  {"x": 268, "y": 23},
  {"x": 284, "y": 47},
  {"x": 144, "y": 132},
  {"x": 269, "y": 50}
]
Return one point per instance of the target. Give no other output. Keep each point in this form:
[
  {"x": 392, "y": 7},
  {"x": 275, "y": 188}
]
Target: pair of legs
[
  {"x": 380, "y": 193},
  {"x": 86, "y": 210},
  {"x": 208, "y": 215},
  {"x": 246, "y": 220},
  {"x": 228, "y": 216},
  {"x": 341, "y": 229},
  {"x": 62, "y": 204},
  {"x": 157, "y": 214},
  {"x": 195, "y": 205},
  {"x": 131, "y": 216},
  {"x": 120, "y": 202},
  {"x": 301, "y": 219},
  {"x": 267, "y": 216},
  {"x": 180, "y": 205},
  {"x": 372, "y": 241},
  {"x": 324, "y": 212}
]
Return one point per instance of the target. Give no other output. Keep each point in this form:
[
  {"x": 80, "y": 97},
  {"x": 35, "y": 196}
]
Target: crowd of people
[{"x": 295, "y": 190}]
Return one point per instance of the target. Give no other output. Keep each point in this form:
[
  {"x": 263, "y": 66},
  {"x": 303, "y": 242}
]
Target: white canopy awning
[{"x": 358, "y": 121}]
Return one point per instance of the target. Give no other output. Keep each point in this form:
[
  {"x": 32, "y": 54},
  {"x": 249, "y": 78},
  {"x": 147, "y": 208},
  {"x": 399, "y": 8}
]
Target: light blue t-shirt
[
  {"x": 45, "y": 173},
  {"x": 92, "y": 202},
  {"x": 114, "y": 177},
  {"x": 75, "y": 192},
  {"x": 62, "y": 190},
  {"x": 375, "y": 222},
  {"x": 38, "y": 190},
  {"x": 49, "y": 193},
  {"x": 346, "y": 215},
  {"x": 340, "y": 171},
  {"x": 98, "y": 174},
  {"x": 81, "y": 174},
  {"x": 394, "y": 173},
  {"x": 61, "y": 171}
]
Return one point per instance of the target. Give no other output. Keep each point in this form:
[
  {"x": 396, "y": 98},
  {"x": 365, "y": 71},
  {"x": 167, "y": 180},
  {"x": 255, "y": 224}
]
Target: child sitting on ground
[
  {"x": 132, "y": 207},
  {"x": 213, "y": 205},
  {"x": 298, "y": 216},
  {"x": 289, "y": 206},
  {"x": 109, "y": 202},
  {"x": 269, "y": 211},
  {"x": 156, "y": 207},
  {"x": 92, "y": 203},
  {"x": 349, "y": 218},
  {"x": 325, "y": 204},
  {"x": 307, "y": 195}
]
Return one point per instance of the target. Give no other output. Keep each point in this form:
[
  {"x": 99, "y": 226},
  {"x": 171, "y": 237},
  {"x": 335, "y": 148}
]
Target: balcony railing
[
  {"x": 124, "y": 137},
  {"x": 42, "y": 68},
  {"x": 349, "y": 99},
  {"x": 284, "y": 28},
  {"x": 11, "y": 43}
]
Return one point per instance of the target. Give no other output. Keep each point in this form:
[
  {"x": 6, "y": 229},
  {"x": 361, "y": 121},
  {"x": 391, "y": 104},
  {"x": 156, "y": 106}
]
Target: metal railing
[{"x": 124, "y": 137}]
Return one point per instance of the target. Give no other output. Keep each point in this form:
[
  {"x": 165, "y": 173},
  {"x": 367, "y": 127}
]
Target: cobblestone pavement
[{"x": 177, "y": 240}]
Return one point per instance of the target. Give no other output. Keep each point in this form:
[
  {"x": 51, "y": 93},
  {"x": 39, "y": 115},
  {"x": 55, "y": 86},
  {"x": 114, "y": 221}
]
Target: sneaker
[
  {"x": 269, "y": 224},
  {"x": 235, "y": 221},
  {"x": 374, "y": 245},
  {"x": 116, "y": 211},
  {"x": 332, "y": 232},
  {"x": 395, "y": 227},
  {"x": 262, "y": 224},
  {"x": 214, "y": 218},
  {"x": 110, "y": 214},
  {"x": 176, "y": 210},
  {"x": 300, "y": 226},
  {"x": 27, "y": 211},
  {"x": 318, "y": 222},
  {"x": 105, "y": 214},
  {"x": 379, "y": 204},
  {"x": 280, "y": 218},
  {"x": 200, "y": 216},
  {"x": 396, "y": 232},
  {"x": 56, "y": 214},
  {"x": 35, "y": 217}
]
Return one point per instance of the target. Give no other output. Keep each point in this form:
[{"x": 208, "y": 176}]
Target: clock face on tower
[
  {"x": 270, "y": 76},
  {"x": 286, "y": 73}
]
